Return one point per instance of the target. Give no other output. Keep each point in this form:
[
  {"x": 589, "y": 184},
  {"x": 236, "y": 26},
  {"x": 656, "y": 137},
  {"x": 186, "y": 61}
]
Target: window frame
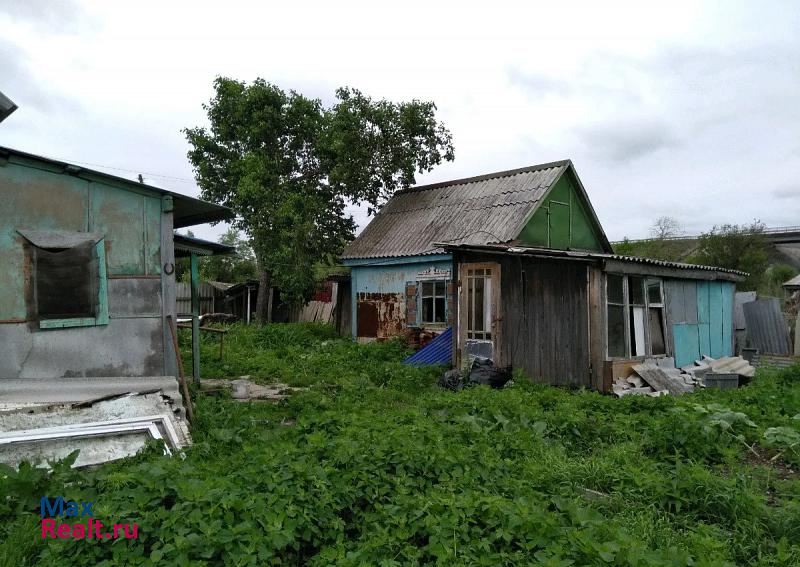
[
  {"x": 421, "y": 301},
  {"x": 627, "y": 311},
  {"x": 101, "y": 317},
  {"x": 486, "y": 276}
]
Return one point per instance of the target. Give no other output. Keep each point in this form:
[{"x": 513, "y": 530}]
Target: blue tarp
[{"x": 438, "y": 351}]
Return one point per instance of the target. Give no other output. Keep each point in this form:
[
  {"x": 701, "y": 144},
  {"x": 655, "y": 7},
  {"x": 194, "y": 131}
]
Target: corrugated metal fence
[
  {"x": 184, "y": 298},
  {"x": 767, "y": 329}
]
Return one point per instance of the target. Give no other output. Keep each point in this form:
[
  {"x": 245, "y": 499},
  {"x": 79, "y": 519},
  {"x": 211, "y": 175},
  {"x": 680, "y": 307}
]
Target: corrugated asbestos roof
[
  {"x": 578, "y": 255},
  {"x": 438, "y": 351},
  {"x": 476, "y": 210}
]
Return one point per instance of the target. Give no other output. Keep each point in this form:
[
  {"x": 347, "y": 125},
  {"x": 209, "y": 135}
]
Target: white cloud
[{"x": 684, "y": 109}]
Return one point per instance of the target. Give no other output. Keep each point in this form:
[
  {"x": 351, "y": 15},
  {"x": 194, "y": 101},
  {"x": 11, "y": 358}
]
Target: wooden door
[{"x": 479, "y": 312}]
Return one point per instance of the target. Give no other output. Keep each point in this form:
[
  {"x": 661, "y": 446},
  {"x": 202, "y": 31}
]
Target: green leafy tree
[
  {"x": 663, "y": 244},
  {"x": 288, "y": 165},
  {"x": 774, "y": 278},
  {"x": 738, "y": 248},
  {"x": 237, "y": 268}
]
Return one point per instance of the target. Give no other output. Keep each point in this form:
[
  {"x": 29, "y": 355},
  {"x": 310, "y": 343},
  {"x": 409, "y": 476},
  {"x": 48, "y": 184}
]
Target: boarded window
[
  {"x": 65, "y": 282},
  {"x": 434, "y": 301}
]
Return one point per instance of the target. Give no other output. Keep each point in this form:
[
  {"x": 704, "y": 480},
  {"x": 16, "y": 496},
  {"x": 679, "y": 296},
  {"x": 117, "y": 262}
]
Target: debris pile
[
  {"x": 659, "y": 377},
  {"x": 245, "y": 390},
  {"x": 103, "y": 429},
  {"x": 482, "y": 371}
]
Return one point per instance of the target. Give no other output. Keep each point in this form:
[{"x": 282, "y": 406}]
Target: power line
[{"x": 151, "y": 174}]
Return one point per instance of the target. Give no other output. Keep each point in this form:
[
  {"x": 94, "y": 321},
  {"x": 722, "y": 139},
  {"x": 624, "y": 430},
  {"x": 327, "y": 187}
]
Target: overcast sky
[{"x": 685, "y": 109}]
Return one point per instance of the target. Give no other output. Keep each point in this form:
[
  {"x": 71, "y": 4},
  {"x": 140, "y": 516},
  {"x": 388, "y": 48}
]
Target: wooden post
[
  {"x": 187, "y": 399},
  {"x": 247, "y": 315},
  {"x": 195, "y": 279},
  {"x": 168, "y": 302}
]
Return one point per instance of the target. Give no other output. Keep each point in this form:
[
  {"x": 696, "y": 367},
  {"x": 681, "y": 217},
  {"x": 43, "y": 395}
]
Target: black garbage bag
[
  {"x": 451, "y": 380},
  {"x": 483, "y": 371}
]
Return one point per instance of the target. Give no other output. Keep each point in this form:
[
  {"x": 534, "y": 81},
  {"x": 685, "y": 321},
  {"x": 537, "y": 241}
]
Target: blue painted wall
[
  {"x": 388, "y": 275},
  {"x": 706, "y": 330}
]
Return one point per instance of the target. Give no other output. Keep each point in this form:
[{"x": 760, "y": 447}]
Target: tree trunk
[{"x": 263, "y": 308}]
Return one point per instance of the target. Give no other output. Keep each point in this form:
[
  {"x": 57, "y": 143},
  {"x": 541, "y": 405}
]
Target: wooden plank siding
[{"x": 544, "y": 310}]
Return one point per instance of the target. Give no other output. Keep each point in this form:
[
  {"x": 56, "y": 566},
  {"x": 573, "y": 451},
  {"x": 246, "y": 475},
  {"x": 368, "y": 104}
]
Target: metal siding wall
[{"x": 183, "y": 300}]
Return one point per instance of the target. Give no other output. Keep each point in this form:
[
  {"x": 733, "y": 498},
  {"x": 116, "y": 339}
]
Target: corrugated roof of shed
[
  {"x": 586, "y": 255},
  {"x": 477, "y": 210}
]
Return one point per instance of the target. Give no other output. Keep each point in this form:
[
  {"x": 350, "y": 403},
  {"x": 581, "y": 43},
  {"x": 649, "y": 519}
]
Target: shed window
[
  {"x": 68, "y": 285},
  {"x": 479, "y": 304},
  {"x": 66, "y": 282},
  {"x": 655, "y": 304},
  {"x": 434, "y": 301},
  {"x": 616, "y": 315},
  {"x": 635, "y": 316}
]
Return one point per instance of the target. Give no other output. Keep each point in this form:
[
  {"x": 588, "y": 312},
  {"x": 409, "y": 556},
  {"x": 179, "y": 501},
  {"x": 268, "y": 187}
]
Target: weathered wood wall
[{"x": 544, "y": 306}]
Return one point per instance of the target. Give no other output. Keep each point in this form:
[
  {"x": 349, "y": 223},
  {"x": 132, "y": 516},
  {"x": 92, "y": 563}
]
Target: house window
[
  {"x": 434, "y": 301},
  {"x": 69, "y": 285},
  {"x": 479, "y": 304},
  {"x": 635, "y": 316}
]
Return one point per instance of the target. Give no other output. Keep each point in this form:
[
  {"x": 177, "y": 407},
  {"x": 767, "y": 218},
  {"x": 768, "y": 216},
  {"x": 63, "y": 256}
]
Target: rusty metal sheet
[{"x": 380, "y": 315}]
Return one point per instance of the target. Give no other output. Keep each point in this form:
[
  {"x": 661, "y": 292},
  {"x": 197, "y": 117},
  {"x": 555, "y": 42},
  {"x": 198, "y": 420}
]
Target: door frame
[{"x": 463, "y": 306}]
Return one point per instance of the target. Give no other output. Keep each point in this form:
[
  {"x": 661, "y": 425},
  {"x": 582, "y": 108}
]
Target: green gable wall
[{"x": 561, "y": 221}]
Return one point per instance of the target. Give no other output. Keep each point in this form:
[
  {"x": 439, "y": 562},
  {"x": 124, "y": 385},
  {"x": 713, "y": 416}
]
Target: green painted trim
[
  {"x": 102, "y": 298},
  {"x": 102, "y": 284},
  {"x": 166, "y": 204},
  {"x": 62, "y": 323}
]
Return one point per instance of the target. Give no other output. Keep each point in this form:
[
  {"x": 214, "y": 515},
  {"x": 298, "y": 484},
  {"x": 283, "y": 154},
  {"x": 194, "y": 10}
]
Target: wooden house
[{"x": 517, "y": 263}]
